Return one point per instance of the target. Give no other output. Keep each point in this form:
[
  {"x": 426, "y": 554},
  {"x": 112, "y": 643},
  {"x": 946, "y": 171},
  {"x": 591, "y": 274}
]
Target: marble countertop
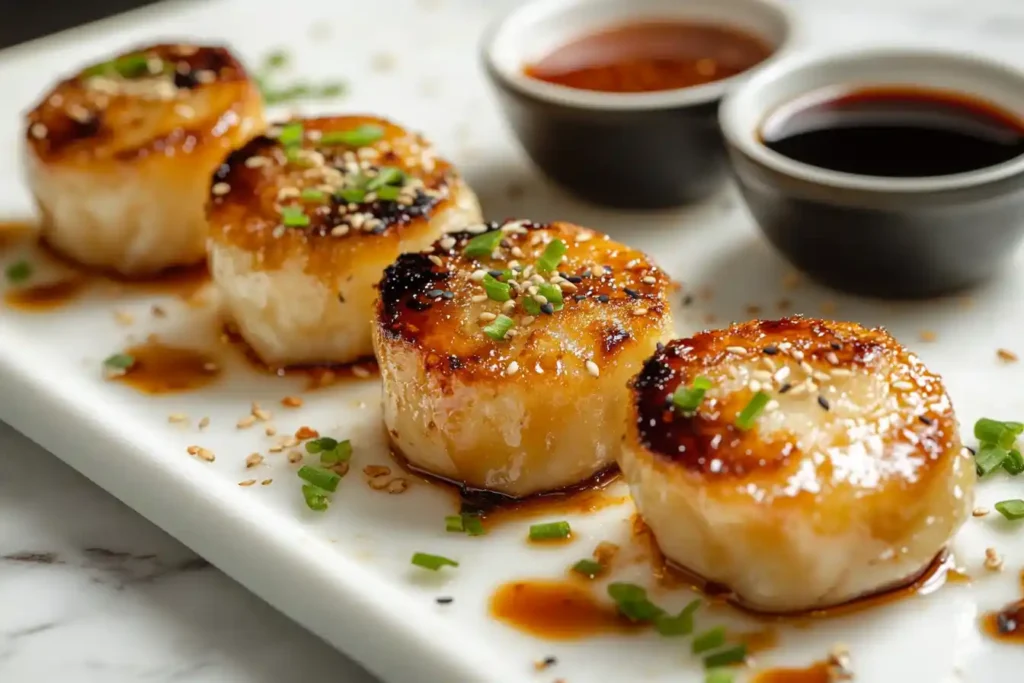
[{"x": 91, "y": 591}]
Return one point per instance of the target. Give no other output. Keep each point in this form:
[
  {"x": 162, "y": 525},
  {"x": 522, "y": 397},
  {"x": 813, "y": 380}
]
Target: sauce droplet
[
  {"x": 162, "y": 369},
  {"x": 556, "y": 610},
  {"x": 819, "y": 672},
  {"x": 46, "y": 296}
]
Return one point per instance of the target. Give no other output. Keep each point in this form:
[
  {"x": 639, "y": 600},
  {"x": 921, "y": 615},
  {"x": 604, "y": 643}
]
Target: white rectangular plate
[{"x": 345, "y": 574}]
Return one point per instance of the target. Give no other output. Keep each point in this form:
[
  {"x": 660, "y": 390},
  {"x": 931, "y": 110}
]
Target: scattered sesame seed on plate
[
  {"x": 980, "y": 511},
  {"x": 294, "y": 457},
  {"x": 253, "y": 460},
  {"x": 291, "y": 401},
  {"x": 204, "y": 422},
  {"x": 993, "y": 562},
  {"x": 266, "y": 482},
  {"x": 928, "y": 335},
  {"x": 246, "y": 422},
  {"x": 247, "y": 482},
  {"x": 177, "y": 417},
  {"x": 1007, "y": 356}
]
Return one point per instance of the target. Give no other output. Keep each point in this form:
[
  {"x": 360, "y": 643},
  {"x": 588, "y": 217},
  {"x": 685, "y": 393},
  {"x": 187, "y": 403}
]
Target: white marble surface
[{"x": 90, "y": 591}]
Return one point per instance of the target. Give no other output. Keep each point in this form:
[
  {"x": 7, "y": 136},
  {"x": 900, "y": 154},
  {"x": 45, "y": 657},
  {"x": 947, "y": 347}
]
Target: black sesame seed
[
  {"x": 586, "y": 273},
  {"x": 448, "y": 295},
  {"x": 770, "y": 350},
  {"x": 495, "y": 273},
  {"x": 688, "y": 299},
  {"x": 835, "y": 345},
  {"x": 785, "y": 387},
  {"x": 971, "y": 450},
  {"x": 547, "y": 308},
  {"x": 445, "y": 600},
  {"x": 579, "y": 297},
  {"x": 454, "y": 362},
  {"x": 603, "y": 298},
  {"x": 608, "y": 269},
  {"x": 575, "y": 279},
  {"x": 926, "y": 420},
  {"x": 631, "y": 292},
  {"x": 435, "y": 293},
  {"x": 550, "y": 661},
  {"x": 659, "y": 346},
  {"x": 341, "y": 297},
  {"x": 823, "y": 402}
]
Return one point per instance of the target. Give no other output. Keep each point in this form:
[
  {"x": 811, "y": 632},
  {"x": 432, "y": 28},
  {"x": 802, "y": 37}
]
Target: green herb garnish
[
  {"x": 126, "y": 66},
  {"x": 291, "y": 134},
  {"x": 453, "y": 523},
  {"x": 389, "y": 193},
  {"x": 529, "y": 304},
  {"x": 718, "y": 676},
  {"x": 483, "y": 244},
  {"x": 749, "y": 414},
  {"x": 709, "y": 640},
  {"x": 988, "y": 458},
  {"x": 496, "y": 291},
  {"x": 550, "y": 531},
  {"x": 316, "y": 498},
  {"x": 313, "y": 195},
  {"x": 275, "y": 60},
  {"x": 320, "y": 477},
  {"x": 357, "y": 137},
  {"x": 294, "y": 217},
  {"x": 1014, "y": 463},
  {"x": 588, "y": 568},
  {"x": 432, "y": 562},
  {"x": 1011, "y": 509},
  {"x": 388, "y": 175},
  {"x": 688, "y": 399},
  {"x": 551, "y": 256},
  {"x": 733, "y": 655},
  {"x": 473, "y": 524},
  {"x": 499, "y": 328},
  {"x": 553, "y": 293},
  {"x": 331, "y": 451},
  {"x": 18, "y": 271},
  {"x": 679, "y": 625},
  {"x": 994, "y": 432},
  {"x": 631, "y": 601},
  {"x": 119, "y": 362},
  {"x": 352, "y": 195}
]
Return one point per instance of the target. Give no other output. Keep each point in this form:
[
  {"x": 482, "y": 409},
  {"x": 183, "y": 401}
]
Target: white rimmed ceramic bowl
[
  {"x": 888, "y": 237},
  {"x": 634, "y": 150}
]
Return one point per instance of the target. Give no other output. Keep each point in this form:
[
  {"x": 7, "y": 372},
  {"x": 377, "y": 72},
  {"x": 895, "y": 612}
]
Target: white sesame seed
[
  {"x": 476, "y": 229},
  {"x": 593, "y": 369},
  {"x": 762, "y": 375},
  {"x": 38, "y": 131},
  {"x": 339, "y": 230},
  {"x": 797, "y": 353},
  {"x": 798, "y": 389},
  {"x": 902, "y": 384},
  {"x": 526, "y": 320},
  {"x": 754, "y": 385},
  {"x": 435, "y": 260},
  {"x": 806, "y": 367},
  {"x": 256, "y": 162},
  {"x": 479, "y": 298},
  {"x": 478, "y": 275},
  {"x": 220, "y": 189},
  {"x": 639, "y": 311},
  {"x": 447, "y": 242},
  {"x": 993, "y": 562},
  {"x": 289, "y": 192},
  {"x": 781, "y": 374},
  {"x": 738, "y": 350},
  {"x": 842, "y": 372},
  {"x": 540, "y": 298},
  {"x": 584, "y": 237},
  {"x": 486, "y": 317},
  {"x": 980, "y": 511},
  {"x": 512, "y": 368},
  {"x": 832, "y": 358},
  {"x": 360, "y": 372},
  {"x": 649, "y": 280},
  {"x": 771, "y": 406},
  {"x": 508, "y": 306}
]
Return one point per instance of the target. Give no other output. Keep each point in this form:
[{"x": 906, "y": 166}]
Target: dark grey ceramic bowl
[
  {"x": 628, "y": 150},
  {"x": 877, "y": 236}
]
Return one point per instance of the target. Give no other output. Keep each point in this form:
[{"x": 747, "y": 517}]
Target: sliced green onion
[
  {"x": 316, "y": 497},
  {"x": 352, "y": 195},
  {"x": 332, "y": 455},
  {"x": 128, "y": 66},
  {"x": 631, "y": 601},
  {"x": 291, "y": 134},
  {"x": 733, "y": 655},
  {"x": 318, "y": 476},
  {"x": 679, "y": 625},
  {"x": 529, "y": 305},
  {"x": 995, "y": 432},
  {"x": 275, "y": 60},
  {"x": 473, "y": 524},
  {"x": 119, "y": 361},
  {"x": 551, "y": 256},
  {"x": 553, "y": 293},
  {"x": 588, "y": 568},
  {"x": 453, "y": 523},
  {"x": 499, "y": 328},
  {"x": 18, "y": 271},
  {"x": 335, "y": 89},
  {"x": 749, "y": 414},
  {"x": 496, "y": 291},
  {"x": 389, "y": 175},
  {"x": 709, "y": 640},
  {"x": 432, "y": 562},
  {"x": 1011, "y": 509},
  {"x": 482, "y": 245},
  {"x": 549, "y": 531},
  {"x": 313, "y": 195},
  {"x": 1014, "y": 463},
  {"x": 688, "y": 399},
  {"x": 294, "y": 217},
  {"x": 389, "y": 193},
  {"x": 988, "y": 458},
  {"x": 718, "y": 676},
  {"x": 324, "y": 443},
  {"x": 358, "y": 137}
]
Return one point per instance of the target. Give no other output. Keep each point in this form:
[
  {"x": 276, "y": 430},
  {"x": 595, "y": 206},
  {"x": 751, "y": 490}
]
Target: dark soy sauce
[{"x": 895, "y": 132}]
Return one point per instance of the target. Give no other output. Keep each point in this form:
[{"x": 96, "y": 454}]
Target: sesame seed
[
  {"x": 785, "y": 387},
  {"x": 38, "y": 131},
  {"x": 781, "y": 374},
  {"x": 639, "y": 311},
  {"x": 512, "y": 368},
  {"x": 567, "y": 286},
  {"x": 397, "y": 485},
  {"x": 246, "y": 422},
  {"x": 294, "y": 457},
  {"x": 360, "y": 372},
  {"x": 447, "y": 242},
  {"x": 821, "y": 376},
  {"x": 823, "y": 402},
  {"x": 832, "y": 358},
  {"x": 806, "y": 367},
  {"x": 603, "y": 298},
  {"x": 256, "y": 162},
  {"x": 177, "y": 417},
  {"x": 771, "y": 406},
  {"x": 204, "y": 422},
  {"x": 902, "y": 384},
  {"x": 436, "y": 260},
  {"x": 487, "y": 317},
  {"x": 770, "y": 350},
  {"x": 738, "y": 350},
  {"x": 478, "y": 275},
  {"x": 980, "y": 511},
  {"x": 526, "y": 320},
  {"x": 754, "y": 385},
  {"x": 201, "y": 453},
  {"x": 1006, "y": 355},
  {"x": 649, "y": 280},
  {"x": 584, "y": 237},
  {"x": 253, "y": 460},
  {"x": 631, "y": 293},
  {"x": 508, "y": 306},
  {"x": 444, "y": 600},
  {"x": 842, "y": 372},
  {"x": 247, "y": 482},
  {"x": 545, "y": 663},
  {"x": 547, "y": 308},
  {"x": 220, "y": 189},
  {"x": 339, "y": 231},
  {"x": 993, "y": 562},
  {"x": 540, "y": 298},
  {"x": 926, "y": 420},
  {"x": 797, "y": 354},
  {"x": 797, "y": 389},
  {"x": 271, "y": 430},
  {"x": 593, "y": 369},
  {"x": 762, "y": 375},
  {"x": 479, "y": 298}
]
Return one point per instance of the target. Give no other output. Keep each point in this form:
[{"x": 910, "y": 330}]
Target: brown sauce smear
[
  {"x": 819, "y": 672},
  {"x": 16, "y": 233},
  {"x": 671, "y": 575},
  {"x": 1007, "y": 624},
  {"x": 652, "y": 56},
  {"x": 163, "y": 369},
  {"x": 47, "y": 296},
  {"x": 557, "y": 610}
]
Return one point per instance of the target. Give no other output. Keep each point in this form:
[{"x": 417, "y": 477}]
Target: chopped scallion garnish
[
  {"x": 473, "y": 524},
  {"x": 631, "y": 601},
  {"x": 275, "y": 60},
  {"x": 483, "y": 244},
  {"x": 352, "y": 195},
  {"x": 316, "y": 497},
  {"x": 1011, "y": 509},
  {"x": 551, "y": 256},
  {"x": 318, "y": 476},
  {"x": 679, "y": 625},
  {"x": 709, "y": 640},
  {"x": 453, "y": 523},
  {"x": 688, "y": 399},
  {"x": 733, "y": 655},
  {"x": 121, "y": 362},
  {"x": 496, "y": 291},
  {"x": 358, "y": 137},
  {"x": 588, "y": 568},
  {"x": 331, "y": 451},
  {"x": 389, "y": 175},
  {"x": 718, "y": 676},
  {"x": 127, "y": 66},
  {"x": 1014, "y": 463},
  {"x": 291, "y": 134},
  {"x": 553, "y": 293},
  {"x": 294, "y": 217},
  {"x": 432, "y": 562},
  {"x": 529, "y": 305},
  {"x": 550, "y": 531},
  {"x": 388, "y": 193},
  {"x": 311, "y": 194},
  {"x": 989, "y": 458},
  {"x": 18, "y": 271},
  {"x": 745, "y": 420},
  {"x": 499, "y": 328},
  {"x": 997, "y": 433}
]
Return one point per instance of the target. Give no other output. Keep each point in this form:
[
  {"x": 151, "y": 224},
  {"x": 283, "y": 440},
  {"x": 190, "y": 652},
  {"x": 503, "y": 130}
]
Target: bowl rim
[
  {"x": 610, "y": 101},
  {"x": 746, "y": 140}
]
